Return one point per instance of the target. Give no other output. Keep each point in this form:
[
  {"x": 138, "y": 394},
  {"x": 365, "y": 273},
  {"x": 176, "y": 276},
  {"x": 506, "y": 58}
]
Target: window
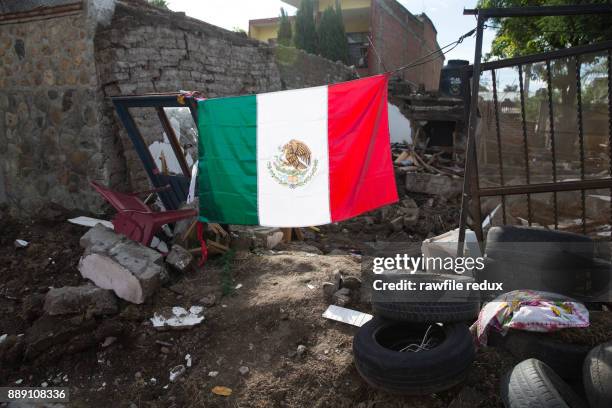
[{"x": 358, "y": 49}]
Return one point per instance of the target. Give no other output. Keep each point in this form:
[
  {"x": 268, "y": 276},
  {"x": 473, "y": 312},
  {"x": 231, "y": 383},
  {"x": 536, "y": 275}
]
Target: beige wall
[
  {"x": 263, "y": 32},
  {"x": 344, "y": 4},
  {"x": 266, "y": 31},
  {"x": 357, "y": 25}
]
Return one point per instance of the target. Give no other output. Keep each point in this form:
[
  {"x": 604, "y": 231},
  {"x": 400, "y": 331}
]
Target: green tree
[
  {"x": 159, "y": 3},
  {"x": 518, "y": 36},
  {"x": 285, "y": 32},
  {"x": 240, "y": 31},
  {"x": 305, "y": 32},
  {"x": 333, "y": 44},
  {"x": 528, "y": 35}
]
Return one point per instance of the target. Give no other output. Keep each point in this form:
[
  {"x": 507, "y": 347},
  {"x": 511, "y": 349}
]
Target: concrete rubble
[
  {"x": 111, "y": 261},
  {"x": 435, "y": 184},
  {"x": 87, "y": 299},
  {"x": 341, "y": 290},
  {"x": 179, "y": 259}
]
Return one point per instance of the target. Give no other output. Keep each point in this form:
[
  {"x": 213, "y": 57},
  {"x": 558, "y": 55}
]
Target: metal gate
[{"x": 524, "y": 144}]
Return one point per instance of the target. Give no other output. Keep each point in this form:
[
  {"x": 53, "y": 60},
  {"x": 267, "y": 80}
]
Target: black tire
[
  {"x": 597, "y": 376},
  {"x": 565, "y": 359},
  {"x": 587, "y": 281},
  {"x": 510, "y": 243},
  {"x": 382, "y": 366},
  {"x": 423, "y": 305},
  {"x": 532, "y": 384}
]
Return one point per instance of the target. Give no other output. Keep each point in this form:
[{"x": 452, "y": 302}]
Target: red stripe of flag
[{"x": 361, "y": 176}]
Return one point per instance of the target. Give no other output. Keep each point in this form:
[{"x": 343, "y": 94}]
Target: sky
[{"x": 447, "y": 16}]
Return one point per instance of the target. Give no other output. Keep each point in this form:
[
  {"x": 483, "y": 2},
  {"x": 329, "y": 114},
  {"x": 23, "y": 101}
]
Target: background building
[{"x": 382, "y": 35}]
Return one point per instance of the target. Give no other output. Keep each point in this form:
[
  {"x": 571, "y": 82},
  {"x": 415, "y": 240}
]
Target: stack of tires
[
  {"x": 532, "y": 383},
  {"x": 416, "y": 348},
  {"x": 550, "y": 261}
]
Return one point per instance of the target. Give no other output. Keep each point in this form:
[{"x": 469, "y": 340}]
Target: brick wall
[{"x": 401, "y": 38}]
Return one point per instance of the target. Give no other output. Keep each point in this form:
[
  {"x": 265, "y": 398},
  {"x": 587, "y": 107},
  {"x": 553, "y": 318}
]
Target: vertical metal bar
[
  {"x": 580, "y": 137},
  {"x": 470, "y": 156},
  {"x": 176, "y": 146},
  {"x": 610, "y": 124},
  {"x": 499, "y": 151},
  {"x": 526, "y": 147},
  {"x": 551, "y": 118}
]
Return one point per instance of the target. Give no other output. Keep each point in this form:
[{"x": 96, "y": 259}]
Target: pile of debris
[{"x": 428, "y": 173}]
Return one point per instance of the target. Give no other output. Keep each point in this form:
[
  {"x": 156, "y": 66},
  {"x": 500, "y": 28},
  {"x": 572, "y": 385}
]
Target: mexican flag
[{"x": 296, "y": 158}]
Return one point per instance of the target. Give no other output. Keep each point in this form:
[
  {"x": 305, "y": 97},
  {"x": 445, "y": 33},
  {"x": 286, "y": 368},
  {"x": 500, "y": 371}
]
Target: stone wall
[
  {"x": 50, "y": 139},
  {"x": 58, "y": 129},
  {"x": 299, "y": 69}
]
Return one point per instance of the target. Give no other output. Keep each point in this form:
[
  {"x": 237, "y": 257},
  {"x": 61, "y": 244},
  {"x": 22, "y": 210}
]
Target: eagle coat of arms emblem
[{"x": 293, "y": 166}]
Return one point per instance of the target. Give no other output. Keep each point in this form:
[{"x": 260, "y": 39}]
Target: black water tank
[{"x": 450, "y": 78}]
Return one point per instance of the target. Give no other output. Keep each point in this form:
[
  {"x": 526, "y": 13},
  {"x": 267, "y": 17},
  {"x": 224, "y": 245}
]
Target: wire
[{"x": 424, "y": 60}]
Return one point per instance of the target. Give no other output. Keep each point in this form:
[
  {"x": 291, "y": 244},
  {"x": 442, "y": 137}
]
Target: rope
[{"x": 423, "y": 60}]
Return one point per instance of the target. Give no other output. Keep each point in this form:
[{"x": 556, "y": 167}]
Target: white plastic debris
[
  {"x": 309, "y": 286},
  {"x": 153, "y": 381},
  {"x": 3, "y": 337},
  {"x": 192, "y": 183},
  {"x": 196, "y": 310},
  {"x": 19, "y": 381},
  {"x": 179, "y": 311},
  {"x": 160, "y": 245},
  {"x": 90, "y": 222},
  {"x": 176, "y": 372},
  {"x": 188, "y": 360},
  {"x": 243, "y": 370},
  {"x": 181, "y": 318},
  {"x": 344, "y": 315},
  {"x": 20, "y": 243},
  {"x": 213, "y": 373},
  {"x": 238, "y": 286}
]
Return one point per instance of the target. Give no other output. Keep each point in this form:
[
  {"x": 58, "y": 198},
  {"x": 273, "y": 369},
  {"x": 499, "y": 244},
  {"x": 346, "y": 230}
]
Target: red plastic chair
[{"x": 134, "y": 218}]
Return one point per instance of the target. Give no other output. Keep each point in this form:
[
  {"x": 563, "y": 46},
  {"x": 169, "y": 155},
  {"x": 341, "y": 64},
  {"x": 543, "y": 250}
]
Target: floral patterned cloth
[{"x": 529, "y": 310}]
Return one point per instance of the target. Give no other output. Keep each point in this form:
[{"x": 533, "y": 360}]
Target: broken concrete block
[
  {"x": 329, "y": 289},
  {"x": 268, "y": 237},
  {"x": 80, "y": 299},
  {"x": 99, "y": 239},
  {"x": 106, "y": 273},
  {"x": 342, "y": 297},
  {"x": 131, "y": 270},
  {"x": 435, "y": 184},
  {"x": 180, "y": 259}
]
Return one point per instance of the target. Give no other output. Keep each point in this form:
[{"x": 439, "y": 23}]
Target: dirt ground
[{"x": 259, "y": 325}]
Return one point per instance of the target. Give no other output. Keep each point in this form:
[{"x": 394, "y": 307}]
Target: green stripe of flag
[{"x": 228, "y": 160}]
